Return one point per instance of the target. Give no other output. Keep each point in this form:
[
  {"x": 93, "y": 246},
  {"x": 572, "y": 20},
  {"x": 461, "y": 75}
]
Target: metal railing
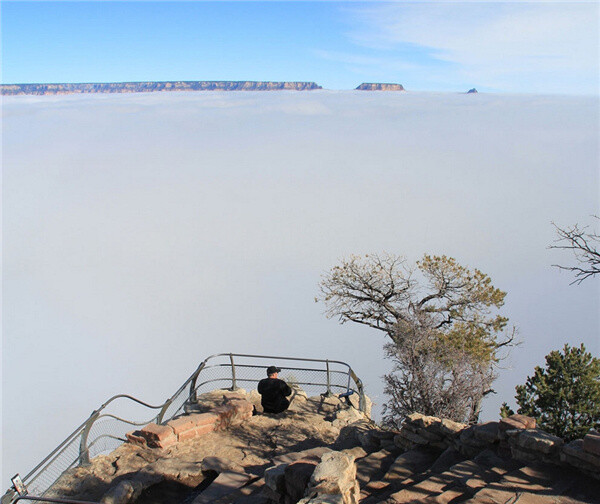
[
  {"x": 105, "y": 429},
  {"x": 50, "y": 499}
]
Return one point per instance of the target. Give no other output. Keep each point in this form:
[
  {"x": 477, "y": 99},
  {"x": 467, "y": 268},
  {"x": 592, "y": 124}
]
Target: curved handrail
[
  {"x": 51, "y": 499},
  {"x": 124, "y": 420},
  {"x": 357, "y": 381},
  {"x": 90, "y": 421},
  {"x": 127, "y": 396},
  {"x": 83, "y": 430},
  {"x": 79, "y": 429}
]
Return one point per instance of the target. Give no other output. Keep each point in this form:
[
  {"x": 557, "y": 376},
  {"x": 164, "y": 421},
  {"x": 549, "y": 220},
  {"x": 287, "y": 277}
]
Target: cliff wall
[
  {"x": 380, "y": 86},
  {"x": 151, "y": 87}
]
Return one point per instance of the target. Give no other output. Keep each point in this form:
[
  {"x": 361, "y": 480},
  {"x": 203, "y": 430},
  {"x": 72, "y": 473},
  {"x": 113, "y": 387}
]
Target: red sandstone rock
[
  {"x": 297, "y": 476},
  {"x": 136, "y": 438},
  {"x": 182, "y": 424},
  {"x": 374, "y": 488},
  {"x": 447, "y": 497},
  {"x": 538, "y": 441},
  {"x": 187, "y": 435},
  {"x": 195, "y": 432},
  {"x": 591, "y": 443},
  {"x": 203, "y": 429},
  {"x": 486, "y": 432},
  {"x": 205, "y": 418},
  {"x": 225, "y": 484},
  {"x": 224, "y": 412},
  {"x": 450, "y": 428},
  {"x": 161, "y": 436},
  {"x": 158, "y": 432},
  {"x": 165, "y": 443},
  {"x": 244, "y": 407},
  {"x": 516, "y": 422},
  {"x": 527, "y": 421},
  {"x": 575, "y": 454},
  {"x": 190, "y": 421}
]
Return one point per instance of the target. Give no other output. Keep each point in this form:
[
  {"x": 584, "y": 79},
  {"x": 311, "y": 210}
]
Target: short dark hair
[{"x": 272, "y": 370}]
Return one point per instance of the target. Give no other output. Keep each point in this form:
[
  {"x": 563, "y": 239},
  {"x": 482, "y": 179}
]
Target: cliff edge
[{"x": 324, "y": 451}]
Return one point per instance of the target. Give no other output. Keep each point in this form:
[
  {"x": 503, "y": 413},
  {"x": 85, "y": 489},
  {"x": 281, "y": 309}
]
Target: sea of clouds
[{"x": 142, "y": 233}]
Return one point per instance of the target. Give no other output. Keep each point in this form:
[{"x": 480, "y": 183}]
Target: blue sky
[{"x": 533, "y": 47}]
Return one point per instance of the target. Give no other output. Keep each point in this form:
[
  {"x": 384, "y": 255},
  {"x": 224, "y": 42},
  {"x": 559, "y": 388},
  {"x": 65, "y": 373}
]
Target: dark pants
[{"x": 282, "y": 407}]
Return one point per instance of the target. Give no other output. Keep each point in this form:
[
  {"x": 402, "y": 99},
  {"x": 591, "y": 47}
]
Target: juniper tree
[{"x": 442, "y": 323}]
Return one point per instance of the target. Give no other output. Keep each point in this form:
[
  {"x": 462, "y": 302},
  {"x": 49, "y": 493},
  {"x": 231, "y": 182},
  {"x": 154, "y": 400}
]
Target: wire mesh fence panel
[
  {"x": 177, "y": 405},
  {"x": 34, "y": 501},
  {"x": 108, "y": 426},
  {"x": 107, "y": 433},
  {"x": 45, "y": 500},
  {"x": 312, "y": 381},
  {"x": 46, "y": 476},
  {"x": 318, "y": 377}
]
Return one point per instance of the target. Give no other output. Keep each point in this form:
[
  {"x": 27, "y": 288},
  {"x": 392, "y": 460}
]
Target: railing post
[
  {"x": 8, "y": 497},
  {"x": 161, "y": 414},
  {"x": 84, "y": 453},
  {"x": 233, "y": 380},
  {"x": 328, "y": 379},
  {"x": 193, "y": 396},
  {"x": 362, "y": 403}
]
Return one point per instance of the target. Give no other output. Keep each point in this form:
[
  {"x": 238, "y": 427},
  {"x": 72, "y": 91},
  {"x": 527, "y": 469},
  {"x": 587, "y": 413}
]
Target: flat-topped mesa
[
  {"x": 151, "y": 87},
  {"x": 380, "y": 86}
]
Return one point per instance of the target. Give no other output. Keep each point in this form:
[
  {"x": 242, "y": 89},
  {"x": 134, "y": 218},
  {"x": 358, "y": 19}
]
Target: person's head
[{"x": 272, "y": 371}]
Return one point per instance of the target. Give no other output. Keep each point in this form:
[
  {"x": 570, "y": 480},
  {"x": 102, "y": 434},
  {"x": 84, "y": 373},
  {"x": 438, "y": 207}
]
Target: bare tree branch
[{"x": 584, "y": 245}]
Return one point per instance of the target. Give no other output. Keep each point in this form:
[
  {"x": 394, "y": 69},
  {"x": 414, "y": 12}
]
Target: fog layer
[{"x": 143, "y": 233}]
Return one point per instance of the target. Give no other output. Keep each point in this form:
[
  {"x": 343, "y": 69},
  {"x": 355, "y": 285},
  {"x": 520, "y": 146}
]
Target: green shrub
[{"x": 564, "y": 397}]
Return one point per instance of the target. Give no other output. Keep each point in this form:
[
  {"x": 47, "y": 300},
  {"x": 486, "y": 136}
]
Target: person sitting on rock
[{"x": 274, "y": 392}]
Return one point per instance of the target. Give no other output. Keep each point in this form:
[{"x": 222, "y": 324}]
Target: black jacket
[{"x": 274, "y": 392}]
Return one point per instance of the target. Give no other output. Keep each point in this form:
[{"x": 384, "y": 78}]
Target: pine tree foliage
[
  {"x": 564, "y": 396},
  {"x": 506, "y": 410}
]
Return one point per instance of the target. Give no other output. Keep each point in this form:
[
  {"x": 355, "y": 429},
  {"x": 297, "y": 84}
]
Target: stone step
[
  {"x": 254, "y": 498},
  {"x": 374, "y": 491},
  {"x": 446, "y": 460},
  {"x": 406, "y": 470},
  {"x": 243, "y": 494},
  {"x": 537, "y": 478},
  {"x": 471, "y": 477},
  {"x": 225, "y": 483},
  {"x": 500, "y": 465},
  {"x": 539, "y": 484},
  {"x": 453, "y": 496},
  {"x": 457, "y": 483},
  {"x": 410, "y": 464},
  {"x": 374, "y": 466},
  {"x": 410, "y": 494},
  {"x": 297, "y": 476},
  {"x": 288, "y": 458},
  {"x": 502, "y": 496}
]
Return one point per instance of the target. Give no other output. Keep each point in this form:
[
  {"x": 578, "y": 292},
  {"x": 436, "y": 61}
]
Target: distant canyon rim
[{"x": 152, "y": 87}]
